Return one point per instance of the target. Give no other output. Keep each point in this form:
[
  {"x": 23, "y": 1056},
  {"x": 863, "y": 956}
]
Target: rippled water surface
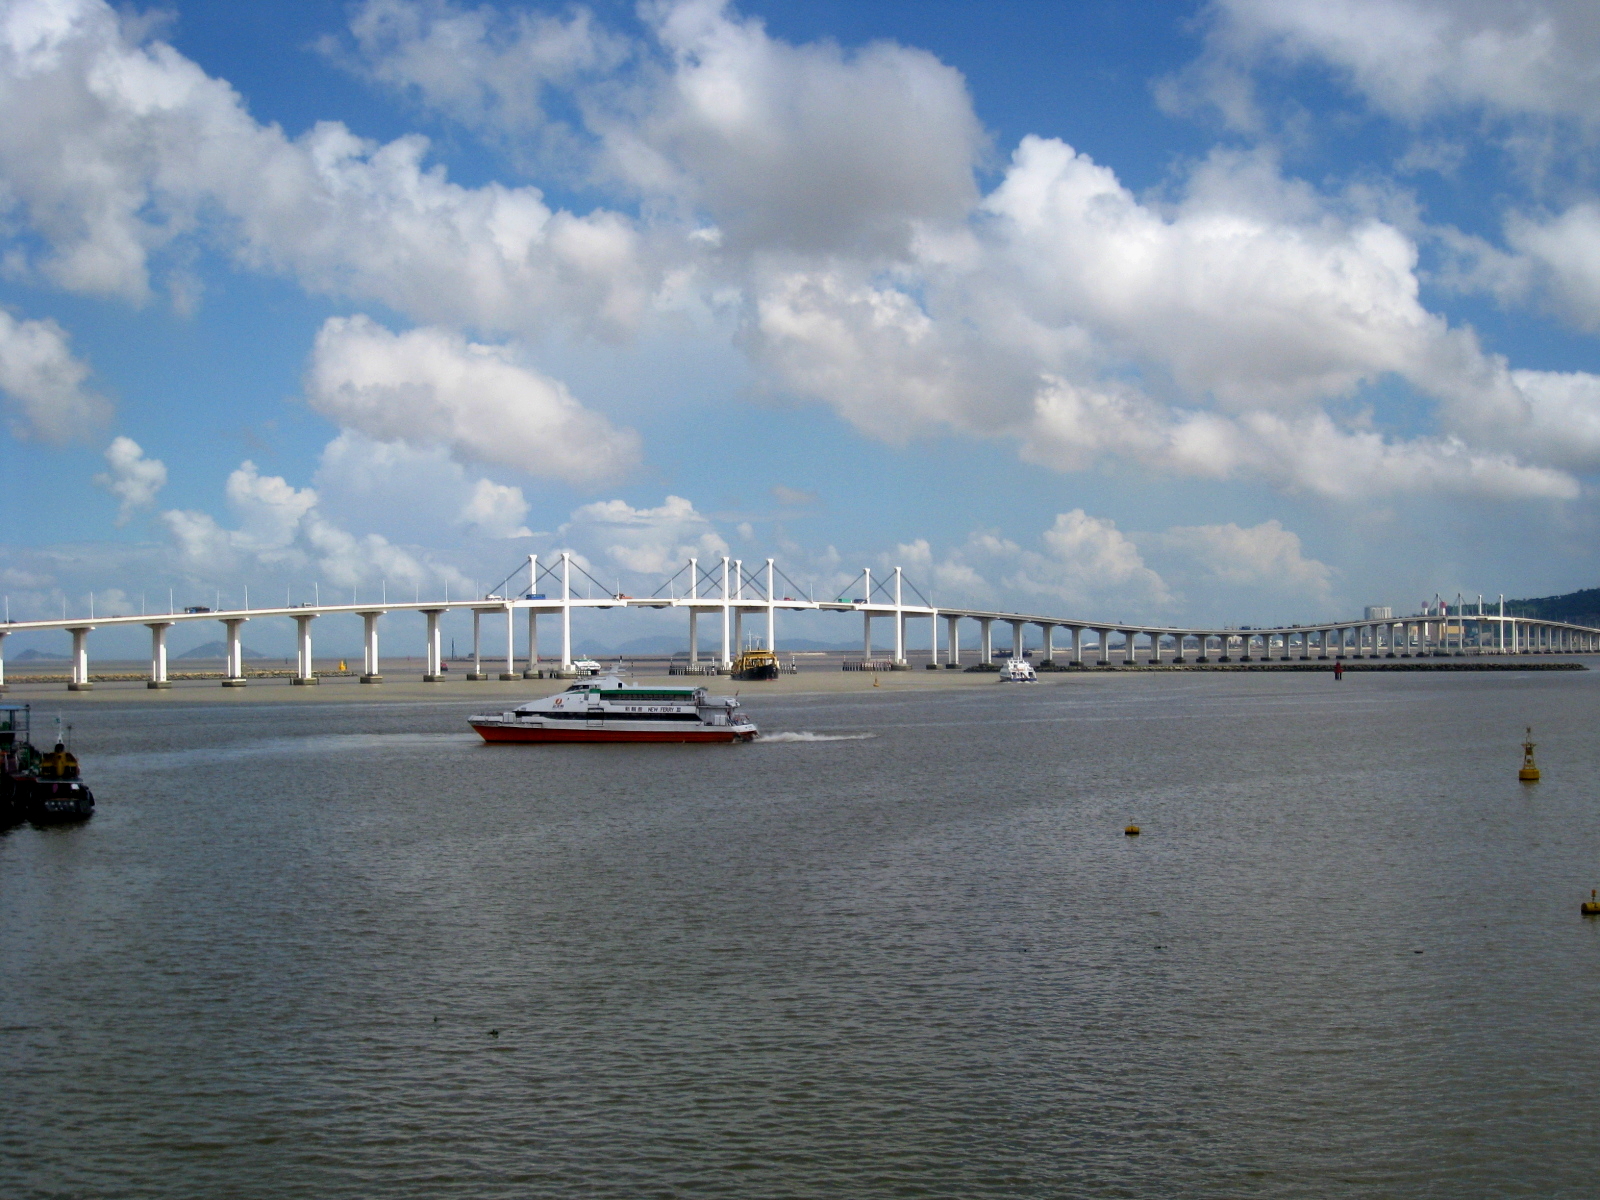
[{"x": 1343, "y": 959}]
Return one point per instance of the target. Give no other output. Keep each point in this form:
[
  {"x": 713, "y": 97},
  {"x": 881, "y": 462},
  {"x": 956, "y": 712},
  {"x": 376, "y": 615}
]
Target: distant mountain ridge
[
  {"x": 1579, "y": 608},
  {"x": 217, "y": 649}
]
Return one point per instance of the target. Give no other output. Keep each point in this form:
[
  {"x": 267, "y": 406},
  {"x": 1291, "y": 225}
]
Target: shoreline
[{"x": 403, "y": 681}]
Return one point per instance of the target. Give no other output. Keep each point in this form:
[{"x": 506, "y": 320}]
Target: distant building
[{"x": 1378, "y": 612}]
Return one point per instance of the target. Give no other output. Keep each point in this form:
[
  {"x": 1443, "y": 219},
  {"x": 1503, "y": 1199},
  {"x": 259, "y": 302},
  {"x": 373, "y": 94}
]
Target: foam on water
[{"x": 805, "y": 735}]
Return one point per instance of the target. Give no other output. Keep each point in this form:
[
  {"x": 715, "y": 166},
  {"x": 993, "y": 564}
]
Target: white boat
[
  {"x": 612, "y": 710},
  {"x": 1018, "y": 670}
]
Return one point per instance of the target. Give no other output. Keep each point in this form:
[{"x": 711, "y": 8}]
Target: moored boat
[
  {"x": 44, "y": 788},
  {"x": 613, "y": 710},
  {"x": 755, "y": 664}
]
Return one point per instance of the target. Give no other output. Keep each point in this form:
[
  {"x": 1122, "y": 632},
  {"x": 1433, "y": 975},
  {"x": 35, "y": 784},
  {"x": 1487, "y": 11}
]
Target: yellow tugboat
[{"x": 756, "y": 664}]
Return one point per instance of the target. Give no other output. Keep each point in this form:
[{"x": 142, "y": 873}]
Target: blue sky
[{"x": 1251, "y": 310}]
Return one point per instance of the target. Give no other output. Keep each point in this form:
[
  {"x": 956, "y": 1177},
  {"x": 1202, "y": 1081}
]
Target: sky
[{"x": 1241, "y": 311}]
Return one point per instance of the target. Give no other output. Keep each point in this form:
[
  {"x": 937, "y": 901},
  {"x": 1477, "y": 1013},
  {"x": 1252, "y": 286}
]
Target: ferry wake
[{"x": 611, "y": 710}]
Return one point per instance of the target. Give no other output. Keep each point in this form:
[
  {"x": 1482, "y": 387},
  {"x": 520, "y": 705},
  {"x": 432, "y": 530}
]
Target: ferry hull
[{"x": 507, "y": 733}]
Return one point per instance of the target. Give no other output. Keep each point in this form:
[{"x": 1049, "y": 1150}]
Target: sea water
[{"x": 903, "y": 948}]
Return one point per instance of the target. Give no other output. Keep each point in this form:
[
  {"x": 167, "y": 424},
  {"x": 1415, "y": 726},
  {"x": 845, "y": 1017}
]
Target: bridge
[{"x": 728, "y": 594}]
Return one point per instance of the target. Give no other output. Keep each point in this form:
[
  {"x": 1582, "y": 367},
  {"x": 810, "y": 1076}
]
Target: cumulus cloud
[
  {"x": 809, "y": 148},
  {"x": 133, "y": 479},
  {"x": 496, "y": 511},
  {"x": 279, "y": 527},
  {"x": 433, "y": 387},
  {"x": 1254, "y": 309},
  {"x": 44, "y": 384},
  {"x": 493, "y": 72},
  {"x": 1082, "y": 561},
  {"x": 1412, "y": 59},
  {"x": 160, "y": 153},
  {"x": 1231, "y": 329},
  {"x": 1261, "y": 557},
  {"x": 647, "y": 540}
]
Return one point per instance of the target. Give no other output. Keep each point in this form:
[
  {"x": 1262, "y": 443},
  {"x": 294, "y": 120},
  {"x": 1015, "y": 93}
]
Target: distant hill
[
  {"x": 217, "y": 649},
  {"x": 1580, "y": 608},
  {"x": 38, "y": 656}
]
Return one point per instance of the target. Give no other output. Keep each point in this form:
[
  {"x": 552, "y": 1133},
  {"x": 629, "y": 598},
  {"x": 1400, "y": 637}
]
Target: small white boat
[{"x": 1018, "y": 670}]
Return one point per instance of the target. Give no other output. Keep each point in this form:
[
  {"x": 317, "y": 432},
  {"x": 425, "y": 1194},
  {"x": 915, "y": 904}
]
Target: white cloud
[
  {"x": 160, "y": 153},
  {"x": 431, "y": 387},
  {"x": 1085, "y": 563},
  {"x": 497, "y": 511},
  {"x": 133, "y": 479},
  {"x": 280, "y": 527},
  {"x": 1415, "y": 59},
  {"x": 1265, "y": 557},
  {"x": 1230, "y": 330},
  {"x": 44, "y": 383},
  {"x": 492, "y": 71},
  {"x": 1562, "y": 254},
  {"x": 1253, "y": 307},
  {"x": 807, "y": 148},
  {"x": 647, "y": 540}
]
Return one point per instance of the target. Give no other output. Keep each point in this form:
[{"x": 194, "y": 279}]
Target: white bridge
[{"x": 729, "y": 594}]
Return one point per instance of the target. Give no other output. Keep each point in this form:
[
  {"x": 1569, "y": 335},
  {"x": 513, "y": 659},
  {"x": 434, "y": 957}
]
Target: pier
[{"x": 729, "y": 596}]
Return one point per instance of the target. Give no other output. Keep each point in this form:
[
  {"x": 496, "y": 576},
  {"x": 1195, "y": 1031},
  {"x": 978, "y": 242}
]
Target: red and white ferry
[{"x": 612, "y": 710}]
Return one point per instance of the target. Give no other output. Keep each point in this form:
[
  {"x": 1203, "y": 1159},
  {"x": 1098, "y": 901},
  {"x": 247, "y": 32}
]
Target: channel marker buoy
[
  {"x": 1591, "y": 906},
  {"x": 1530, "y": 769},
  {"x": 1131, "y": 831}
]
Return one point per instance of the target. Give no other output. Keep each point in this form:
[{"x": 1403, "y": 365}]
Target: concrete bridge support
[
  {"x": 952, "y": 641},
  {"x": 305, "y": 674},
  {"x": 533, "y": 645},
  {"x": 369, "y": 645},
  {"x": 1049, "y": 652},
  {"x": 476, "y": 673},
  {"x": 433, "y": 672},
  {"x": 1016, "y": 638},
  {"x": 511, "y": 671},
  {"x": 233, "y": 670},
  {"x": 158, "y": 655},
  {"x": 985, "y": 641},
  {"x": 80, "y": 660},
  {"x": 1104, "y": 635},
  {"x": 2, "y": 662},
  {"x": 566, "y": 612}
]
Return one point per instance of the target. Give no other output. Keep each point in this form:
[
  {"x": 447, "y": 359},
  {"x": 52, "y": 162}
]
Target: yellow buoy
[
  {"x": 1131, "y": 831},
  {"x": 1530, "y": 769},
  {"x": 1591, "y": 906}
]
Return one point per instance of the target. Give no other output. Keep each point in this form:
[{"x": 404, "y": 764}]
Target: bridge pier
[
  {"x": 985, "y": 642},
  {"x": 369, "y": 645},
  {"x": 1105, "y": 646},
  {"x": 477, "y": 674},
  {"x": 952, "y": 641},
  {"x": 233, "y": 672},
  {"x": 304, "y": 674},
  {"x": 727, "y": 617},
  {"x": 533, "y": 643},
  {"x": 80, "y": 660},
  {"x": 433, "y": 672},
  {"x": 3, "y": 633},
  {"x": 158, "y": 654}
]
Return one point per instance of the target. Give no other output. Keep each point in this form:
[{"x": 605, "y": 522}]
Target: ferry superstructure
[{"x": 613, "y": 710}]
